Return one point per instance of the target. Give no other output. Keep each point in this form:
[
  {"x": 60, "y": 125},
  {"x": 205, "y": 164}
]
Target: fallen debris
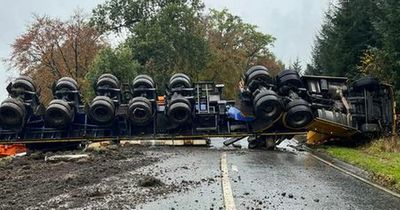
[
  {"x": 67, "y": 158},
  {"x": 150, "y": 181}
]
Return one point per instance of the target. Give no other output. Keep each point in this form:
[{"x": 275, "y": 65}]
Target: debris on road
[
  {"x": 67, "y": 158},
  {"x": 150, "y": 181}
]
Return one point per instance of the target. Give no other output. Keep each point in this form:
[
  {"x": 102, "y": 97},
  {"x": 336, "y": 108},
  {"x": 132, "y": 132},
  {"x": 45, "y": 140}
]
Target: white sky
[{"x": 293, "y": 22}]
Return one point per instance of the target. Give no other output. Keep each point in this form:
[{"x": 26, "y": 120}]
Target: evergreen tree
[
  {"x": 347, "y": 32},
  {"x": 296, "y": 65}
]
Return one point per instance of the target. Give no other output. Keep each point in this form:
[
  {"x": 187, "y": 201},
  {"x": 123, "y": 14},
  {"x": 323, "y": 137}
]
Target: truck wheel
[
  {"x": 180, "y": 81},
  {"x": 253, "y": 69},
  {"x": 66, "y": 83},
  {"x": 12, "y": 112},
  {"x": 108, "y": 80},
  {"x": 299, "y": 114},
  {"x": 59, "y": 114},
  {"x": 102, "y": 110},
  {"x": 111, "y": 76},
  {"x": 140, "y": 111},
  {"x": 288, "y": 79},
  {"x": 143, "y": 81},
  {"x": 179, "y": 75},
  {"x": 179, "y": 113},
  {"x": 25, "y": 83},
  {"x": 261, "y": 76},
  {"x": 368, "y": 83},
  {"x": 267, "y": 105}
]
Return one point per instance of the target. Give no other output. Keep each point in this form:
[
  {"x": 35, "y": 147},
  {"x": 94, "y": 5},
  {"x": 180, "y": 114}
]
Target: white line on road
[
  {"x": 355, "y": 176},
  {"x": 226, "y": 185}
]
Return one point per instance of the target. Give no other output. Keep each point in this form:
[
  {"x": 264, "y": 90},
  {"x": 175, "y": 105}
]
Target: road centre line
[{"x": 229, "y": 202}]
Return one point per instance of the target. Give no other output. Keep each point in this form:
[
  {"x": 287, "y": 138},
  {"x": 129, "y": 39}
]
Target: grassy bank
[{"x": 381, "y": 159}]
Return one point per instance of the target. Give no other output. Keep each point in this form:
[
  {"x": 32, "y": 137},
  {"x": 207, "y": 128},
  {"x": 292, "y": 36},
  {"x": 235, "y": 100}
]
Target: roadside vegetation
[
  {"x": 165, "y": 37},
  {"x": 381, "y": 158}
]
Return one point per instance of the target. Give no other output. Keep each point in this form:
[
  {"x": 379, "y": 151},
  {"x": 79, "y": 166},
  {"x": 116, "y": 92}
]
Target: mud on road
[{"x": 109, "y": 178}]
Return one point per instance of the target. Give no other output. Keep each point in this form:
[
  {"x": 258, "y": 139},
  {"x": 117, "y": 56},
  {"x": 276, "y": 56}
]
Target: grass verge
[{"x": 378, "y": 158}]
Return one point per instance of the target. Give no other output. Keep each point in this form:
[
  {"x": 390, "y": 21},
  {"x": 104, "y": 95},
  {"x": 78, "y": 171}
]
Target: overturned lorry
[{"x": 268, "y": 109}]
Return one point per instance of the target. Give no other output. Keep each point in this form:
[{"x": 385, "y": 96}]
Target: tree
[
  {"x": 116, "y": 15},
  {"x": 387, "y": 25},
  {"x": 118, "y": 62},
  {"x": 359, "y": 38},
  {"x": 347, "y": 32},
  {"x": 51, "y": 49},
  {"x": 296, "y": 65},
  {"x": 165, "y": 36},
  {"x": 234, "y": 47}
]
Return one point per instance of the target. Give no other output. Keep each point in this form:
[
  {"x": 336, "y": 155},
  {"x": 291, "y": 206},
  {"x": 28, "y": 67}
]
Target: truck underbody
[{"x": 267, "y": 109}]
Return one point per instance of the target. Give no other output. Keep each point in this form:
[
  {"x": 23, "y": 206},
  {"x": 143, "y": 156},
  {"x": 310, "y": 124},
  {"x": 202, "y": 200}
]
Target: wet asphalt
[{"x": 262, "y": 180}]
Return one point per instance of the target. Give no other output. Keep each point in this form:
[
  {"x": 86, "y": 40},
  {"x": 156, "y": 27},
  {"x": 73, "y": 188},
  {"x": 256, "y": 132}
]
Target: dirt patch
[
  {"x": 150, "y": 181},
  {"x": 31, "y": 182}
]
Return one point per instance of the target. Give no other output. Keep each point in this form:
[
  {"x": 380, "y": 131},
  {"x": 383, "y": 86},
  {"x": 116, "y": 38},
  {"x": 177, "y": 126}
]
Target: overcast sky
[{"x": 293, "y": 22}]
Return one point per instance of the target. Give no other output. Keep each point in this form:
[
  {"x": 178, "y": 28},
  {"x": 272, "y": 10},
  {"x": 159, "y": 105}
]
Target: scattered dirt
[
  {"x": 31, "y": 183},
  {"x": 149, "y": 181}
]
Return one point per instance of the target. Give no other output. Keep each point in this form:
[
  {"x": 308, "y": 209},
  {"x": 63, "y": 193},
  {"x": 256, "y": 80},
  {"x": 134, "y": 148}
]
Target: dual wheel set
[
  {"x": 137, "y": 103},
  {"x": 277, "y": 101}
]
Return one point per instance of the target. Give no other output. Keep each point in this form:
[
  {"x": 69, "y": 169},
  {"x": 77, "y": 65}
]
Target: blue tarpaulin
[{"x": 236, "y": 114}]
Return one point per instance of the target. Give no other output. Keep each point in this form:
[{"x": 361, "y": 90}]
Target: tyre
[
  {"x": 102, "y": 110},
  {"x": 259, "y": 73},
  {"x": 368, "y": 83},
  {"x": 12, "y": 112},
  {"x": 140, "y": 111},
  {"x": 143, "y": 81},
  {"x": 179, "y": 75},
  {"x": 66, "y": 83},
  {"x": 254, "y": 68},
  {"x": 179, "y": 113},
  {"x": 59, "y": 114},
  {"x": 180, "y": 81},
  {"x": 299, "y": 114},
  {"x": 25, "y": 83},
  {"x": 107, "y": 81},
  {"x": 288, "y": 79},
  {"x": 267, "y": 105},
  {"x": 258, "y": 78},
  {"x": 145, "y": 76},
  {"x": 108, "y": 76}
]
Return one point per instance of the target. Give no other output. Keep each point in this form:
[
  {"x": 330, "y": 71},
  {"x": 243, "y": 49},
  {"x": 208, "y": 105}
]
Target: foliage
[
  {"x": 347, "y": 32},
  {"x": 115, "y": 15},
  {"x": 171, "y": 42},
  {"x": 51, "y": 49},
  {"x": 118, "y": 62},
  {"x": 387, "y": 24},
  {"x": 296, "y": 65},
  {"x": 165, "y": 37},
  {"x": 359, "y": 38},
  {"x": 383, "y": 164},
  {"x": 375, "y": 62},
  {"x": 234, "y": 46}
]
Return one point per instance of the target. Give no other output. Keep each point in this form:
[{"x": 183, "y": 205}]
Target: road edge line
[
  {"x": 227, "y": 193},
  {"x": 355, "y": 176}
]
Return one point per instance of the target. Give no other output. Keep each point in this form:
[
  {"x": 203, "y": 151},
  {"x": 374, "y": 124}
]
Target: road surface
[
  {"x": 195, "y": 178},
  {"x": 267, "y": 180}
]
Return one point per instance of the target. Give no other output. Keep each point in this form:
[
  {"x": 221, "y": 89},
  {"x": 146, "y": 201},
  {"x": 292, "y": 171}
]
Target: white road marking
[
  {"x": 355, "y": 176},
  {"x": 226, "y": 185}
]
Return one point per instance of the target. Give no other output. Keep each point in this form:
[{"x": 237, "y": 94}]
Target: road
[
  {"x": 265, "y": 180},
  {"x": 187, "y": 178}
]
